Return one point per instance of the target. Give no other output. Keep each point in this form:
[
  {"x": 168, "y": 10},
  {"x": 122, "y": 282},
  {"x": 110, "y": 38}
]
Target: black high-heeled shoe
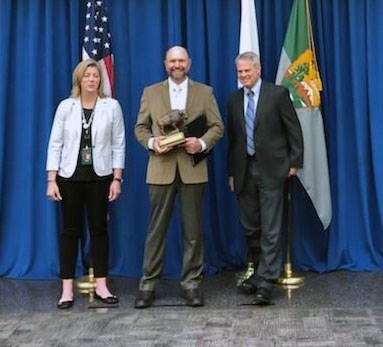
[
  {"x": 63, "y": 305},
  {"x": 110, "y": 300}
]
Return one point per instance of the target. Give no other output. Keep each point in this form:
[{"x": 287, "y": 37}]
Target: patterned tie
[{"x": 249, "y": 119}]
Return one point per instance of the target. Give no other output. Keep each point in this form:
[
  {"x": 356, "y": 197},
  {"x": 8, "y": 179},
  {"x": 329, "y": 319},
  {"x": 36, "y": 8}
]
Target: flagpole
[
  {"x": 289, "y": 279},
  {"x": 311, "y": 40},
  {"x": 314, "y": 173},
  {"x": 87, "y": 284}
]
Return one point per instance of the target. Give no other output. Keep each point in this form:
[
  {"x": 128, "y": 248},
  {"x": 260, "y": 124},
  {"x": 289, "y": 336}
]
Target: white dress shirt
[{"x": 178, "y": 95}]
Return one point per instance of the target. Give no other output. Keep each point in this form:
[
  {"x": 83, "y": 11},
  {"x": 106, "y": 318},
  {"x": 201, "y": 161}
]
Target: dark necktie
[{"x": 249, "y": 120}]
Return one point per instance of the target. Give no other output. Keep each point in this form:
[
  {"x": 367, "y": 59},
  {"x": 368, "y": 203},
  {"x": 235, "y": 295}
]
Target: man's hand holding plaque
[
  {"x": 176, "y": 132},
  {"x": 172, "y": 130}
]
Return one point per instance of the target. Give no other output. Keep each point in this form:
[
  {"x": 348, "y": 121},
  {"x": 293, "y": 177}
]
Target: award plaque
[{"x": 171, "y": 126}]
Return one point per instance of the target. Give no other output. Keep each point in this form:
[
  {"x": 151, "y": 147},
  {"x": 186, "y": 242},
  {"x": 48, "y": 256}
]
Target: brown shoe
[
  {"x": 144, "y": 299},
  {"x": 194, "y": 297}
]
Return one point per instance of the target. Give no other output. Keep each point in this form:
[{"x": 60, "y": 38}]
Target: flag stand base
[
  {"x": 289, "y": 278},
  {"x": 86, "y": 284}
]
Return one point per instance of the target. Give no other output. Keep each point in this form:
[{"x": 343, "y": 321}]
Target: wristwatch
[{"x": 121, "y": 180}]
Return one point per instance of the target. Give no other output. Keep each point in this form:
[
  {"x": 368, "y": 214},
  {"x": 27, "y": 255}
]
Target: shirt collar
[
  {"x": 174, "y": 86},
  {"x": 256, "y": 88}
]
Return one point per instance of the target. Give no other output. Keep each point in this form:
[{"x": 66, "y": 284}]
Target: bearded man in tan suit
[{"x": 171, "y": 171}]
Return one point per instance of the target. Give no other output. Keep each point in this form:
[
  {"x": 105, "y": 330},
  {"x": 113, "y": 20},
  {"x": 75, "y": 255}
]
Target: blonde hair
[{"x": 79, "y": 73}]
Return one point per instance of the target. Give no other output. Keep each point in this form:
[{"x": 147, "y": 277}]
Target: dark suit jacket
[
  {"x": 278, "y": 136},
  {"x": 155, "y": 103}
]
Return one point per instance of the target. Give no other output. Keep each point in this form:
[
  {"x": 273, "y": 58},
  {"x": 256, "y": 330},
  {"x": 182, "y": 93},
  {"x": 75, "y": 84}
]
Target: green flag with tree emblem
[{"x": 298, "y": 71}]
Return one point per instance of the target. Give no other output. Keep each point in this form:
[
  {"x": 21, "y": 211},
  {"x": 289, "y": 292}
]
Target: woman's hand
[
  {"x": 53, "y": 191},
  {"x": 114, "y": 190}
]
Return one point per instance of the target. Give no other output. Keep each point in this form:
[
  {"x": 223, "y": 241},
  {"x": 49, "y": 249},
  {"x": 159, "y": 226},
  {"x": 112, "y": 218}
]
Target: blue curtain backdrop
[{"x": 41, "y": 44}]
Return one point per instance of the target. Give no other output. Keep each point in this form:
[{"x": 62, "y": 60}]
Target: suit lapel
[
  {"x": 165, "y": 97},
  {"x": 262, "y": 102},
  {"x": 98, "y": 111},
  {"x": 77, "y": 110},
  {"x": 239, "y": 106},
  {"x": 191, "y": 94}
]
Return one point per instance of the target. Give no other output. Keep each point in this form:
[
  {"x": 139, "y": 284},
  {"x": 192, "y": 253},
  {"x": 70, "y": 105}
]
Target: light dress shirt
[
  {"x": 178, "y": 95},
  {"x": 256, "y": 89}
]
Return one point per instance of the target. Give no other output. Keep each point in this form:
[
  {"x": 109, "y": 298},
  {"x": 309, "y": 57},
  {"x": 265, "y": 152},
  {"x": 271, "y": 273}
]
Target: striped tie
[{"x": 249, "y": 119}]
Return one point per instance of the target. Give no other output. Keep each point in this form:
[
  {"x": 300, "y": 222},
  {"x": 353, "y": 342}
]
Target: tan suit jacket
[{"x": 155, "y": 102}]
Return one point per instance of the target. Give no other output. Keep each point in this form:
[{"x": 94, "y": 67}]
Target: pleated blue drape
[{"x": 41, "y": 43}]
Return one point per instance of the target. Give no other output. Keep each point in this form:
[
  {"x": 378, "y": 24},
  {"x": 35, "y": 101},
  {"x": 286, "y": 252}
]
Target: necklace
[{"x": 86, "y": 124}]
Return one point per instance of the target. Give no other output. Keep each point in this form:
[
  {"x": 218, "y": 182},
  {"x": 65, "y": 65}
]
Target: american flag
[{"x": 97, "y": 41}]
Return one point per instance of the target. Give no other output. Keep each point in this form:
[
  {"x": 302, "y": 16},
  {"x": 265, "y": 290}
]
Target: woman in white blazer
[{"x": 86, "y": 156}]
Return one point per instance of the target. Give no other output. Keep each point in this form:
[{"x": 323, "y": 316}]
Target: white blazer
[{"x": 108, "y": 137}]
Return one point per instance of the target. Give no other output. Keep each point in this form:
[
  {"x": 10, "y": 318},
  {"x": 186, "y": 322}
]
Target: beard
[{"x": 177, "y": 74}]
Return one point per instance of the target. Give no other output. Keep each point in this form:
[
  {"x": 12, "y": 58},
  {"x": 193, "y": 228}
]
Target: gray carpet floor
[{"x": 334, "y": 309}]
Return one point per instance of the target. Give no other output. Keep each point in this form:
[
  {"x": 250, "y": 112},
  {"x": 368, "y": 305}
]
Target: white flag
[{"x": 248, "y": 40}]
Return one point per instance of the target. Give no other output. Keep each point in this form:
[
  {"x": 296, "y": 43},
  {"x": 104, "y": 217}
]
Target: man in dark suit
[
  {"x": 265, "y": 147},
  {"x": 171, "y": 171}
]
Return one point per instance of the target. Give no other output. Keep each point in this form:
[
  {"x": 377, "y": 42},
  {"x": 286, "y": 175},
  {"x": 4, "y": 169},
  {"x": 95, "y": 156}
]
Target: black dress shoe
[
  {"x": 194, "y": 297},
  {"x": 109, "y": 300},
  {"x": 63, "y": 305},
  {"x": 144, "y": 299},
  {"x": 262, "y": 296},
  {"x": 248, "y": 286}
]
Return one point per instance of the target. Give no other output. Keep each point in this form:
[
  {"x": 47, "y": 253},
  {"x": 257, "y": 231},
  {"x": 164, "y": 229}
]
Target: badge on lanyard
[
  {"x": 86, "y": 156},
  {"x": 86, "y": 152}
]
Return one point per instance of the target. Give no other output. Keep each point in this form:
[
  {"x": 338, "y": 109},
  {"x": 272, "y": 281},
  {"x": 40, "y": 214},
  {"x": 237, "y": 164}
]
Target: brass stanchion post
[
  {"x": 87, "y": 284},
  {"x": 289, "y": 279}
]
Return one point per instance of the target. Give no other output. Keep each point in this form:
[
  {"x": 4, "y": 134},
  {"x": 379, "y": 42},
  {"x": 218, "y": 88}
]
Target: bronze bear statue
[{"x": 174, "y": 120}]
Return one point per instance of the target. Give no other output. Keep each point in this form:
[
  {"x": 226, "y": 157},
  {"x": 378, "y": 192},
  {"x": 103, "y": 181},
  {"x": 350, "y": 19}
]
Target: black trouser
[
  {"x": 79, "y": 197},
  {"x": 261, "y": 211},
  {"x": 250, "y": 214}
]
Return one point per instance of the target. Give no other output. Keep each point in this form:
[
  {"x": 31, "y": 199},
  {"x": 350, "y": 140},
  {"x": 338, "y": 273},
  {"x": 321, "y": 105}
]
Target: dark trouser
[
  {"x": 78, "y": 196},
  {"x": 261, "y": 214},
  {"x": 162, "y": 201}
]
